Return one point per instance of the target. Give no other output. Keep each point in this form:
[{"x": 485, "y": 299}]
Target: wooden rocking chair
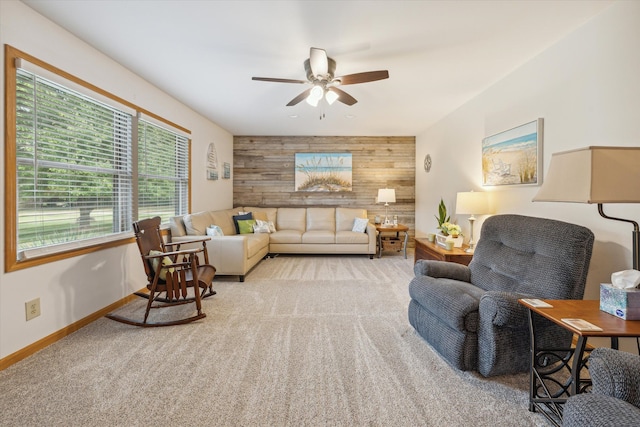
[{"x": 170, "y": 274}]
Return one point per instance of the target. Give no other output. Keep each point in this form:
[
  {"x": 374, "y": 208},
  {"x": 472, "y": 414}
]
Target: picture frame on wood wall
[
  {"x": 513, "y": 157},
  {"x": 323, "y": 172}
]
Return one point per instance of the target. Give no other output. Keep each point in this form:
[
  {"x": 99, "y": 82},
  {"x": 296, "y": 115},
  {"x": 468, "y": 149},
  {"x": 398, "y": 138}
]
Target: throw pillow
[
  {"x": 261, "y": 226},
  {"x": 214, "y": 230},
  {"x": 237, "y": 218},
  {"x": 246, "y": 226},
  {"x": 360, "y": 225},
  {"x": 165, "y": 261},
  {"x": 272, "y": 227}
]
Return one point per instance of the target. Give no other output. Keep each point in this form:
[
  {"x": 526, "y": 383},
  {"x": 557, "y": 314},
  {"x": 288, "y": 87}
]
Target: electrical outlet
[{"x": 32, "y": 308}]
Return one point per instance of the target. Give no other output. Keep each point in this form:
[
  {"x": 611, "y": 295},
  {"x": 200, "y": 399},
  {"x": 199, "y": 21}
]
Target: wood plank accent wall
[{"x": 263, "y": 173}]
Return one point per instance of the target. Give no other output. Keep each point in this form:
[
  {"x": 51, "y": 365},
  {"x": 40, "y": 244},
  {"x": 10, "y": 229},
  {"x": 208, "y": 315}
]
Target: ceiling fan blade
[
  {"x": 270, "y": 79},
  {"x": 299, "y": 98},
  {"x": 369, "y": 76},
  {"x": 318, "y": 62},
  {"x": 343, "y": 96}
]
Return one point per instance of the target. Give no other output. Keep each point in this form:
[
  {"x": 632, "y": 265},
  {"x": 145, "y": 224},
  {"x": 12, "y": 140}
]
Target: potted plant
[
  {"x": 447, "y": 230},
  {"x": 442, "y": 214}
]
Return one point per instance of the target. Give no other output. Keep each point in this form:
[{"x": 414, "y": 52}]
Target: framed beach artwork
[
  {"x": 513, "y": 157},
  {"x": 226, "y": 174},
  {"x": 323, "y": 172}
]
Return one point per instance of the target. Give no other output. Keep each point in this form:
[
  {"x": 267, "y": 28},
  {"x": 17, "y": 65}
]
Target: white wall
[
  {"x": 72, "y": 289},
  {"x": 587, "y": 89}
]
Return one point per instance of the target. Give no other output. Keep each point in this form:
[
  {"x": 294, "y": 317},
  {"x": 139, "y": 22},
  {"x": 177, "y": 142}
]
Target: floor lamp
[
  {"x": 596, "y": 175},
  {"x": 472, "y": 203}
]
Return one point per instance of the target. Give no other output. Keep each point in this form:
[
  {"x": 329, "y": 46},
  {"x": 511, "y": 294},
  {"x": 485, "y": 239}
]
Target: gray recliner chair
[
  {"x": 471, "y": 315},
  {"x": 615, "y": 397}
]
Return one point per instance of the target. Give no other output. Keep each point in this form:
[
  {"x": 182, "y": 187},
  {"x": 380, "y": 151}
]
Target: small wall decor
[
  {"x": 212, "y": 162},
  {"x": 513, "y": 157},
  {"x": 427, "y": 163},
  {"x": 323, "y": 172},
  {"x": 226, "y": 170}
]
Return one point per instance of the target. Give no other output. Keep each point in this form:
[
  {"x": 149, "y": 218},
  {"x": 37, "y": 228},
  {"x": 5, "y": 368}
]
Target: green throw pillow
[
  {"x": 245, "y": 226},
  {"x": 165, "y": 261}
]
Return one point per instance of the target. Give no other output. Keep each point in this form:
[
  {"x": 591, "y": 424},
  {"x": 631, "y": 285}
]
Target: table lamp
[
  {"x": 595, "y": 175},
  {"x": 386, "y": 195},
  {"x": 472, "y": 203}
]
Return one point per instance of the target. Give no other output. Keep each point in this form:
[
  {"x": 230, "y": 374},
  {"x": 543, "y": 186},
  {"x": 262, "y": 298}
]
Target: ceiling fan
[{"x": 320, "y": 74}]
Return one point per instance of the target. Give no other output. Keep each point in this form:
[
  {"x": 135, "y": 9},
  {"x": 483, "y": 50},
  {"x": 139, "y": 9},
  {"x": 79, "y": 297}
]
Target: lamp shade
[
  {"x": 386, "y": 195},
  {"x": 473, "y": 203},
  {"x": 593, "y": 175}
]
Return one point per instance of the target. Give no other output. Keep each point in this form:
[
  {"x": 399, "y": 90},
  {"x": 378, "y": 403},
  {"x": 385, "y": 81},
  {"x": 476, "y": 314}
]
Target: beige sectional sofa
[{"x": 313, "y": 230}]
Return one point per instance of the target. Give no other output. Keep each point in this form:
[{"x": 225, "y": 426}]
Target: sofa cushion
[
  {"x": 285, "y": 236},
  {"x": 352, "y": 237},
  {"x": 196, "y": 223},
  {"x": 259, "y": 213},
  {"x": 345, "y": 217},
  {"x": 255, "y": 243},
  {"x": 177, "y": 226},
  {"x": 319, "y": 236},
  {"x": 224, "y": 220},
  {"x": 321, "y": 219},
  {"x": 291, "y": 219}
]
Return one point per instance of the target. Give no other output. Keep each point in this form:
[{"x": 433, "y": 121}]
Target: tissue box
[{"x": 622, "y": 303}]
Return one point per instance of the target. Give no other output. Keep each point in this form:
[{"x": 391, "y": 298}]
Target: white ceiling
[{"x": 439, "y": 54}]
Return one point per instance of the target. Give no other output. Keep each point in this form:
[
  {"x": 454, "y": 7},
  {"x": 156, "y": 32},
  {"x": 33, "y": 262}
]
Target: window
[
  {"x": 80, "y": 170},
  {"x": 163, "y": 174}
]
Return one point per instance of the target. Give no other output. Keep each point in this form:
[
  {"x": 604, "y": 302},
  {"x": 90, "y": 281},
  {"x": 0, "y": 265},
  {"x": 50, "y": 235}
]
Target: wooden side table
[
  {"x": 431, "y": 250},
  {"x": 392, "y": 243},
  {"x": 546, "y": 392}
]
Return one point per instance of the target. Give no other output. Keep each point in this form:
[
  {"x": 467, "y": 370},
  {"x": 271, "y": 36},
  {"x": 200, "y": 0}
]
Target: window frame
[{"x": 11, "y": 261}]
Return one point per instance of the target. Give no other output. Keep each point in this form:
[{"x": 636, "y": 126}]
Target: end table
[
  {"x": 392, "y": 243},
  {"x": 431, "y": 250}
]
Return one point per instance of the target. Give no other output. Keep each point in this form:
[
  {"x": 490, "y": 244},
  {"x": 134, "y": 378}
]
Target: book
[
  {"x": 582, "y": 325},
  {"x": 538, "y": 303}
]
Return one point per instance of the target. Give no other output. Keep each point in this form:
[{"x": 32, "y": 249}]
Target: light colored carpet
[{"x": 304, "y": 341}]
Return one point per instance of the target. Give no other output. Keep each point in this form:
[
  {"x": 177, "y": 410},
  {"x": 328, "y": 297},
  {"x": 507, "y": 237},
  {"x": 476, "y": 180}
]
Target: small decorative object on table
[
  {"x": 447, "y": 230},
  {"x": 450, "y": 232}
]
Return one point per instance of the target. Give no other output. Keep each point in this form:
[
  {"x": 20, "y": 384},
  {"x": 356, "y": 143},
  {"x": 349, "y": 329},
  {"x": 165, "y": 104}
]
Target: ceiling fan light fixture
[
  {"x": 331, "y": 97},
  {"x": 320, "y": 70},
  {"x": 314, "y": 96}
]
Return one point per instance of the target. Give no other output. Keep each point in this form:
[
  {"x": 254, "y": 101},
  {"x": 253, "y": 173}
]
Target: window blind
[
  {"x": 163, "y": 171},
  {"x": 74, "y": 171}
]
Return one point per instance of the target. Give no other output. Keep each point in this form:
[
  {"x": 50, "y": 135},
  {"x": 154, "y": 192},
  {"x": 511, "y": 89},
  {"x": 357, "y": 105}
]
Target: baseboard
[{"x": 58, "y": 335}]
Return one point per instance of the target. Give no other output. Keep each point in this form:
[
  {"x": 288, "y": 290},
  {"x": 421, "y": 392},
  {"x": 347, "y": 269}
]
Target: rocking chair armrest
[
  {"x": 170, "y": 254},
  {"x": 185, "y": 242}
]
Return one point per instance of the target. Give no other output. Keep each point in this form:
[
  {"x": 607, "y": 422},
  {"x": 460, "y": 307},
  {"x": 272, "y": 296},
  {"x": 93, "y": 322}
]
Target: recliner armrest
[
  {"x": 616, "y": 373},
  {"x": 442, "y": 269},
  {"x": 591, "y": 409},
  {"x": 504, "y": 309}
]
